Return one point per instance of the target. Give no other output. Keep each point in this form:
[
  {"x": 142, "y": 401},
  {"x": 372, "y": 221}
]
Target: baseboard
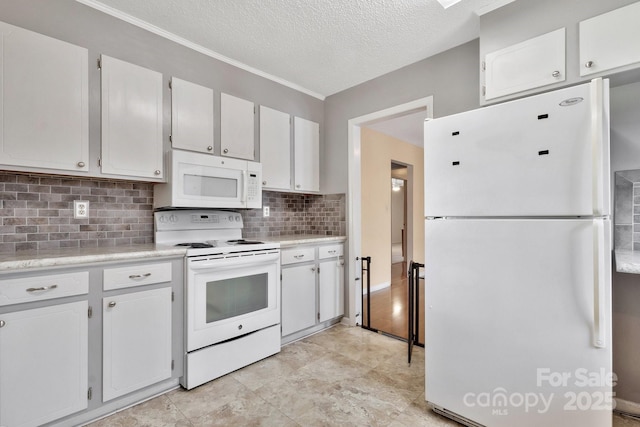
[
  {"x": 377, "y": 287},
  {"x": 627, "y": 407}
]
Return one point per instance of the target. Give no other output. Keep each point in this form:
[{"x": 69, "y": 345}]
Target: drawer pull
[
  {"x": 298, "y": 256},
  {"x": 332, "y": 252},
  {"x": 112, "y": 304},
  {"x": 43, "y": 288},
  {"x": 139, "y": 276}
]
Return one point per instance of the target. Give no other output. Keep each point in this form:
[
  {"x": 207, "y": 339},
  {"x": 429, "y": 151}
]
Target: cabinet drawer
[
  {"x": 136, "y": 275},
  {"x": 27, "y": 289},
  {"x": 330, "y": 251},
  {"x": 292, "y": 256}
]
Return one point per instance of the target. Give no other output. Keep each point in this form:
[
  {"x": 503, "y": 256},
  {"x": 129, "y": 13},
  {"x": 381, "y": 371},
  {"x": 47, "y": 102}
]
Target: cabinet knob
[
  {"x": 81, "y": 164},
  {"x": 112, "y": 304},
  {"x": 313, "y": 269},
  {"x": 157, "y": 172},
  {"x": 556, "y": 74},
  {"x": 264, "y": 182},
  {"x": 2, "y": 323},
  {"x": 588, "y": 64},
  {"x": 225, "y": 151},
  {"x": 297, "y": 185},
  {"x": 210, "y": 148}
]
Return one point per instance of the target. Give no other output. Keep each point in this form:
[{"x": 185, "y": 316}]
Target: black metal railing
[
  {"x": 366, "y": 282},
  {"x": 413, "y": 307}
]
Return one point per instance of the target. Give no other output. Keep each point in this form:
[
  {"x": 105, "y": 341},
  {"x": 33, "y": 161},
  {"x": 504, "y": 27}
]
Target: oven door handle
[{"x": 233, "y": 262}]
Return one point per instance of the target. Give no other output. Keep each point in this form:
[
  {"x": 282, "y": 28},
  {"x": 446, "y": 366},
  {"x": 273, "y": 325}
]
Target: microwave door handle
[{"x": 245, "y": 184}]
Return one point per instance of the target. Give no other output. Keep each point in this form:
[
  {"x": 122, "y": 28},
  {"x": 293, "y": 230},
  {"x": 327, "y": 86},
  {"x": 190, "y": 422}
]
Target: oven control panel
[{"x": 180, "y": 220}]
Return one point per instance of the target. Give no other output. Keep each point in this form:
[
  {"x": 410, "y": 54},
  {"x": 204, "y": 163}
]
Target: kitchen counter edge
[
  {"x": 302, "y": 239},
  {"x": 61, "y": 257},
  {"x": 627, "y": 261}
]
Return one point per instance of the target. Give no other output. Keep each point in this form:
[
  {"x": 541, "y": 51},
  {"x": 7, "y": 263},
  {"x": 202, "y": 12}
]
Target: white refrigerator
[{"x": 518, "y": 262}]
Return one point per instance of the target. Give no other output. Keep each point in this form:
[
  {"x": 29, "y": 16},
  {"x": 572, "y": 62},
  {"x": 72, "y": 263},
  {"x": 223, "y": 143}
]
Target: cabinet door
[
  {"x": 43, "y": 101},
  {"x": 136, "y": 341},
  {"x": 610, "y": 40},
  {"x": 191, "y": 116},
  {"x": 237, "y": 127},
  {"x": 331, "y": 289},
  {"x": 131, "y": 120},
  {"x": 43, "y": 364},
  {"x": 298, "y": 298},
  {"x": 306, "y": 155},
  {"x": 533, "y": 63},
  {"x": 275, "y": 148}
]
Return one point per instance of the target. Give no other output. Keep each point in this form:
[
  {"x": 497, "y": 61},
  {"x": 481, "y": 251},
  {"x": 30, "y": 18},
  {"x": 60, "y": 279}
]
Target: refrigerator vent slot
[
  {"x": 543, "y": 116},
  {"x": 455, "y": 163},
  {"x": 456, "y": 133},
  {"x": 543, "y": 152}
]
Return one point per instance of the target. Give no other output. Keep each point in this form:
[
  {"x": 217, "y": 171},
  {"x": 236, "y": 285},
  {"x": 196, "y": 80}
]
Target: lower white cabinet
[
  {"x": 136, "y": 341},
  {"x": 75, "y": 337},
  {"x": 298, "y": 298},
  {"x": 312, "y": 286},
  {"x": 43, "y": 364},
  {"x": 331, "y": 289}
]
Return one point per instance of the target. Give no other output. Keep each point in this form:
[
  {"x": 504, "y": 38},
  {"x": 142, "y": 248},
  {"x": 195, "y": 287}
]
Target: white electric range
[{"x": 232, "y": 285}]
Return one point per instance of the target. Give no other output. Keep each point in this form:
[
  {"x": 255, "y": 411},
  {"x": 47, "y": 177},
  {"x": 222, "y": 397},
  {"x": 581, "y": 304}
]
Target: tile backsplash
[
  {"x": 293, "y": 213},
  {"x": 37, "y": 213}
]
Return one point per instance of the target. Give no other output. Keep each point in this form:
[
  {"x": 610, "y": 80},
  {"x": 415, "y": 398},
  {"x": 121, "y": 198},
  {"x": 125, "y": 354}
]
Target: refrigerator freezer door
[
  {"x": 511, "y": 315},
  {"x": 546, "y": 155}
]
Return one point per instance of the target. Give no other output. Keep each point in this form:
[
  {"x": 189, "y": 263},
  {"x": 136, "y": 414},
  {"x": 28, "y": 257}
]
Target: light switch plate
[{"x": 80, "y": 209}]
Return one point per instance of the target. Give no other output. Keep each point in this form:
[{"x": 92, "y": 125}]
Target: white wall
[{"x": 397, "y": 214}]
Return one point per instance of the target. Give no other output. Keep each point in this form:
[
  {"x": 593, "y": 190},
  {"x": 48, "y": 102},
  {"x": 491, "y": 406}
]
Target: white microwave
[{"x": 197, "y": 180}]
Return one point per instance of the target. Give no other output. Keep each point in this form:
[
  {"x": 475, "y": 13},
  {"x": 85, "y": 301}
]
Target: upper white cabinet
[
  {"x": 610, "y": 40},
  {"x": 533, "y": 63},
  {"x": 43, "y": 102},
  {"x": 237, "y": 127},
  {"x": 275, "y": 148},
  {"x": 306, "y": 136},
  {"x": 191, "y": 116},
  {"x": 43, "y": 364},
  {"x": 131, "y": 120},
  {"x": 136, "y": 341}
]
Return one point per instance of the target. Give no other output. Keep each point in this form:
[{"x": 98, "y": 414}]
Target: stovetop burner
[
  {"x": 244, "y": 242},
  {"x": 196, "y": 245}
]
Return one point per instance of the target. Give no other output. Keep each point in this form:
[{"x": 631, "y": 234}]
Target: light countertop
[
  {"x": 60, "y": 257},
  {"x": 301, "y": 239},
  {"x": 627, "y": 261}
]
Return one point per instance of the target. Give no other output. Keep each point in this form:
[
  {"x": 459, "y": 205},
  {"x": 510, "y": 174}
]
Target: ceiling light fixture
[{"x": 448, "y": 3}]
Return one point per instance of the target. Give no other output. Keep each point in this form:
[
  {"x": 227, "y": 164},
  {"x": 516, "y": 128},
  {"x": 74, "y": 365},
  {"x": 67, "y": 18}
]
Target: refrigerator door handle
[
  {"x": 597, "y": 117},
  {"x": 599, "y": 299}
]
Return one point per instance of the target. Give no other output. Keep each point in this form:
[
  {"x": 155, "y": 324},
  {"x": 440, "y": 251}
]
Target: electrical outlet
[
  {"x": 265, "y": 211},
  {"x": 80, "y": 209}
]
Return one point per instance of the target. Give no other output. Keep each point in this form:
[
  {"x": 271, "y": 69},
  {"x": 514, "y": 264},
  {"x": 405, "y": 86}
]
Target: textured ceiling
[{"x": 318, "y": 46}]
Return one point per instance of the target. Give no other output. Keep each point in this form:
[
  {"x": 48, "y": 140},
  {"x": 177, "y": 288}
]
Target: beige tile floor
[{"x": 340, "y": 377}]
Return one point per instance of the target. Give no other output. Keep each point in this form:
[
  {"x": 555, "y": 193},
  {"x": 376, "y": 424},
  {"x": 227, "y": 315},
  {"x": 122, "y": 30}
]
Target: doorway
[{"x": 356, "y": 127}]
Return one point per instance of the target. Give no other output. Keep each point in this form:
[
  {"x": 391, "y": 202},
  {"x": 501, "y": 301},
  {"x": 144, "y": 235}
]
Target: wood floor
[{"x": 389, "y": 305}]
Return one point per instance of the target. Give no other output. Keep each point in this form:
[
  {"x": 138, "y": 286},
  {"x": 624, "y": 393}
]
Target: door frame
[{"x": 354, "y": 210}]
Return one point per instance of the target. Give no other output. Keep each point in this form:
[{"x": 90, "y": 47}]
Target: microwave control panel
[{"x": 254, "y": 190}]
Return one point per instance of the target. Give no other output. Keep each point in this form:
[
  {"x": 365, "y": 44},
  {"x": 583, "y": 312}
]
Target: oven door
[{"x": 228, "y": 298}]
